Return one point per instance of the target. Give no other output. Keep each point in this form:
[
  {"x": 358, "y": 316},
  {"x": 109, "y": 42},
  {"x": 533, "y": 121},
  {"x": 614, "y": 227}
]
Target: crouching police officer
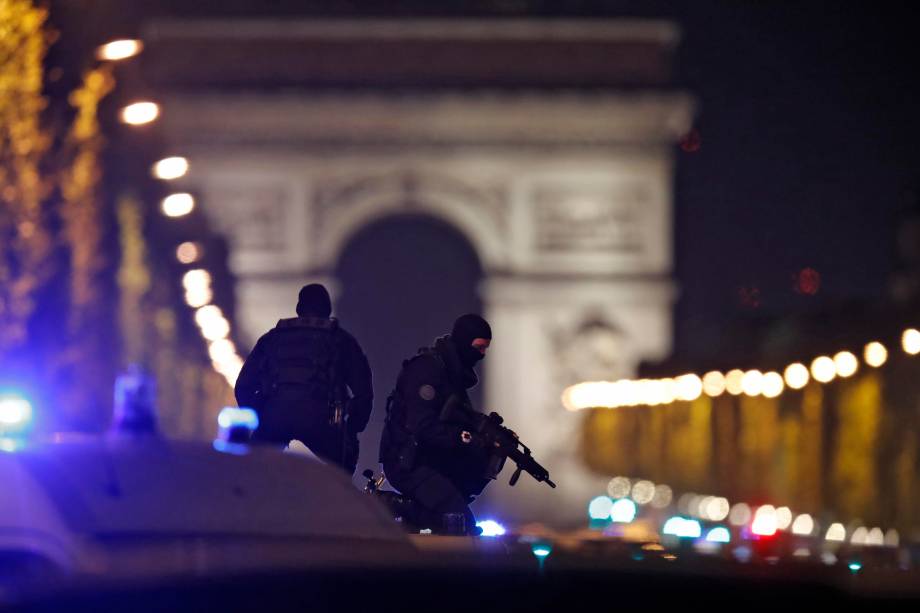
[
  {"x": 298, "y": 377},
  {"x": 428, "y": 452}
]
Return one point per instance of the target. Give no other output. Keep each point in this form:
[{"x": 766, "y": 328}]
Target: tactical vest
[{"x": 302, "y": 356}]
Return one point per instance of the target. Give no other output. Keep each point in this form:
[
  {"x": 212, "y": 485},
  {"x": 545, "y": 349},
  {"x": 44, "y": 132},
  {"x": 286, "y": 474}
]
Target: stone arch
[{"x": 478, "y": 216}]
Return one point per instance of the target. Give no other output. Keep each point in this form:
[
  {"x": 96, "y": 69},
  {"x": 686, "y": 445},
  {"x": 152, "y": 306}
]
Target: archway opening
[{"x": 404, "y": 279}]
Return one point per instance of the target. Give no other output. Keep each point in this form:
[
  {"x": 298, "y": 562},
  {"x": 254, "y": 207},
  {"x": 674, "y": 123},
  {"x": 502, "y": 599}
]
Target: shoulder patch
[{"x": 426, "y": 392}]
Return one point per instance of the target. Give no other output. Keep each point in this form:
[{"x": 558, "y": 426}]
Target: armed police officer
[
  {"x": 427, "y": 450},
  {"x": 309, "y": 380}
]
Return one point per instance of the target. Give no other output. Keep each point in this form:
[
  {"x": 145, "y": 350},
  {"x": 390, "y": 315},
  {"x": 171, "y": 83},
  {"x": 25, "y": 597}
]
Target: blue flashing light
[
  {"x": 233, "y": 417},
  {"x": 682, "y": 527},
  {"x": 719, "y": 534},
  {"x": 541, "y": 550},
  {"x": 15, "y": 413},
  {"x": 231, "y": 448},
  {"x": 623, "y": 511},
  {"x": 599, "y": 508},
  {"x": 854, "y": 567},
  {"x": 491, "y": 528}
]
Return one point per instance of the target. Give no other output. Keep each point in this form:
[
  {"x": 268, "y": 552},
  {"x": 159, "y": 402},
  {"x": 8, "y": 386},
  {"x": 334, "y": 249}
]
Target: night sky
[{"x": 808, "y": 132}]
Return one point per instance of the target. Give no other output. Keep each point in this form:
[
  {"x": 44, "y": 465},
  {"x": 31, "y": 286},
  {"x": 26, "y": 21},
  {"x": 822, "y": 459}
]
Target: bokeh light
[
  {"x": 836, "y": 532},
  {"x": 221, "y": 350},
  {"x": 772, "y": 385},
  {"x": 875, "y": 538},
  {"x": 910, "y": 341},
  {"x": 719, "y": 534},
  {"x": 717, "y": 508},
  {"x": 733, "y": 381},
  {"x": 682, "y": 527},
  {"x": 796, "y": 376},
  {"x": 643, "y": 491},
  {"x": 875, "y": 354},
  {"x": 859, "y": 536},
  {"x": 713, "y": 383},
  {"x": 765, "y": 521},
  {"x": 740, "y": 514},
  {"x": 178, "y": 205},
  {"x": 188, "y": 252},
  {"x": 170, "y": 168},
  {"x": 119, "y": 50},
  {"x": 663, "y": 496},
  {"x": 599, "y": 508},
  {"x": 783, "y": 518},
  {"x": 688, "y": 387},
  {"x": 803, "y": 525},
  {"x": 623, "y": 511},
  {"x": 619, "y": 487},
  {"x": 140, "y": 113},
  {"x": 752, "y": 383},
  {"x": 846, "y": 364},
  {"x": 212, "y": 322},
  {"x": 491, "y": 528},
  {"x": 892, "y": 538},
  {"x": 823, "y": 369}
]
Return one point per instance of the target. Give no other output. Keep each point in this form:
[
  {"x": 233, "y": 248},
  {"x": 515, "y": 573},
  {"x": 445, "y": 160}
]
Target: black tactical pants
[
  {"x": 434, "y": 492},
  {"x": 324, "y": 440}
]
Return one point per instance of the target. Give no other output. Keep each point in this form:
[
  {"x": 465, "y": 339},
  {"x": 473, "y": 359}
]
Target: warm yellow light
[
  {"x": 859, "y": 536},
  {"x": 823, "y": 369},
  {"x": 222, "y": 351},
  {"x": 892, "y": 538},
  {"x": 713, "y": 383},
  {"x": 740, "y": 514},
  {"x": 119, "y": 50},
  {"x": 177, "y": 205},
  {"x": 663, "y": 496},
  {"x": 196, "y": 278},
  {"x": 910, "y": 341},
  {"x": 212, "y": 322},
  {"x": 783, "y": 518},
  {"x": 733, "y": 381},
  {"x": 197, "y": 284},
  {"x": 846, "y": 364},
  {"x": 772, "y": 385},
  {"x": 796, "y": 376},
  {"x": 689, "y": 387},
  {"x": 752, "y": 383},
  {"x": 594, "y": 394},
  {"x": 139, "y": 113},
  {"x": 875, "y": 354},
  {"x": 188, "y": 252},
  {"x": 717, "y": 508},
  {"x": 876, "y": 537},
  {"x": 836, "y": 533},
  {"x": 170, "y": 168},
  {"x": 803, "y": 524}
]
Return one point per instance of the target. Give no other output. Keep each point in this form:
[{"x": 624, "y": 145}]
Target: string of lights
[
  {"x": 689, "y": 387},
  {"x": 214, "y": 327},
  {"x": 626, "y": 497}
]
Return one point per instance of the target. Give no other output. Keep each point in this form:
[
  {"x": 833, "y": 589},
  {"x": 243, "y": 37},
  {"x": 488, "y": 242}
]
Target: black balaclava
[
  {"x": 466, "y": 328},
  {"x": 314, "y": 301}
]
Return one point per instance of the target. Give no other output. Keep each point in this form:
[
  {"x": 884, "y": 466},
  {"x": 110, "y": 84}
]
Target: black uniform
[
  {"x": 295, "y": 376},
  {"x": 435, "y": 461}
]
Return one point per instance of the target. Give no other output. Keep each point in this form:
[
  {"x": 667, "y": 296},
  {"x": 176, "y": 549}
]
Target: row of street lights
[
  {"x": 213, "y": 325},
  {"x": 689, "y": 387}
]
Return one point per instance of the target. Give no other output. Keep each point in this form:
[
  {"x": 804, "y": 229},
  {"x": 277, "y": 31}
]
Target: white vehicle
[{"x": 129, "y": 506}]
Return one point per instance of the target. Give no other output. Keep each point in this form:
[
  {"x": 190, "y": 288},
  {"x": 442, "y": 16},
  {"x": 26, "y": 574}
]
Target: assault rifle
[{"x": 501, "y": 441}]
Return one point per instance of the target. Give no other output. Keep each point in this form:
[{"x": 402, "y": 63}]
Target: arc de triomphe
[{"x": 548, "y": 145}]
